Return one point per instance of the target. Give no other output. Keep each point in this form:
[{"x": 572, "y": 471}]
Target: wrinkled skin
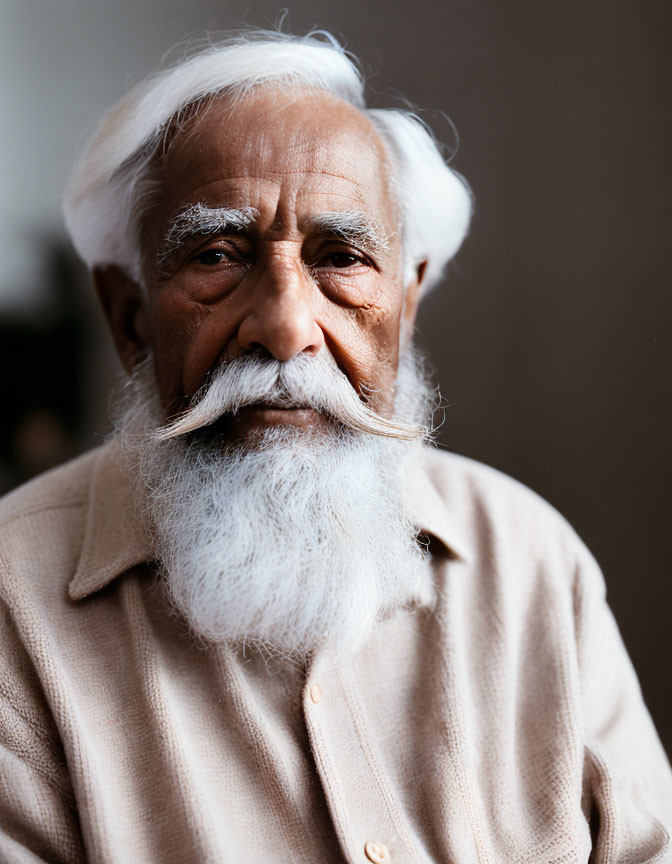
[{"x": 280, "y": 284}]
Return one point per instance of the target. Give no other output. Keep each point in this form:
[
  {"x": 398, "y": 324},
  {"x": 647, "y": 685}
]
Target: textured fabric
[{"x": 503, "y": 723}]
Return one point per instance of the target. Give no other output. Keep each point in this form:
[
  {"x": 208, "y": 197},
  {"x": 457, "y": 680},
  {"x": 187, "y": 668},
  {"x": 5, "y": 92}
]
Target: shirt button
[
  {"x": 377, "y": 852},
  {"x": 316, "y": 693}
]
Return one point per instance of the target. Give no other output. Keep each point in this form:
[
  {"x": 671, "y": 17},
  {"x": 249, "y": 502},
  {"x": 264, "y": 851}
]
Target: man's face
[
  {"x": 275, "y": 238},
  {"x": 316, "y": 268}
]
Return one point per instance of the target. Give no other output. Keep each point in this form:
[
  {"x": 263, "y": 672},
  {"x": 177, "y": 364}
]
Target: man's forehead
[{"x": 308, "y": 145}]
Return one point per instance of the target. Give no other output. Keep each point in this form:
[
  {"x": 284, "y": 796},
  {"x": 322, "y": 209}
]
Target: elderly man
[{"x": 265, "y": 621}]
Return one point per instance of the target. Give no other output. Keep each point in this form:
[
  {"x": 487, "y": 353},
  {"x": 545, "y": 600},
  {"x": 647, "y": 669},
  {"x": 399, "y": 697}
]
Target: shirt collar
[
  {"x": 429, "y": 509},
  {"x": 115, "y": 539}
]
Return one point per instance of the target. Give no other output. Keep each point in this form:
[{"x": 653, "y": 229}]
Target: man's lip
[
  {"x": 272, "y": 415},
  {"x": 268, "y": 406}
]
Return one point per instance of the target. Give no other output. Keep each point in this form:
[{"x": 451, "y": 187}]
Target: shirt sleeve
[
  {"x": 37, "y": 822},
  {"x": 38, "y": 816},
  {"x": 627, "y": 777}
]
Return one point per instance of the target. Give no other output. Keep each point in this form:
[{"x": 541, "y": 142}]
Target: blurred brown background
[{"x": 552, "y": 333}]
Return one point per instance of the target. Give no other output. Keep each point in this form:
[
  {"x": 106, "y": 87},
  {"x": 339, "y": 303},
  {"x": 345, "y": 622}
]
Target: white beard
[{"x": 287, "y": 542}]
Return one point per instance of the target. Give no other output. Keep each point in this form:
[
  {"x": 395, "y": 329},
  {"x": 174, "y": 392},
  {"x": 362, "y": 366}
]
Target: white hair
[
  {"x": 103, "y": 203},
  {"x": 292, "y": 538},
  {"x": 303, "y": 380}
]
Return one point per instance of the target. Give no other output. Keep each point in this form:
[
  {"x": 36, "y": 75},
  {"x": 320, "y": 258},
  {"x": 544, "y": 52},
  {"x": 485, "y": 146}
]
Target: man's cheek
[
  {"x": 177, "y": 326},
  {"x": 211, "y": 335},
  {"x": 356, "y": 292}
]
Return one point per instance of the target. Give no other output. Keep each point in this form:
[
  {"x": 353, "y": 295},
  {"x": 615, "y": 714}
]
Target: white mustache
[{"x": 313, "y": 382}]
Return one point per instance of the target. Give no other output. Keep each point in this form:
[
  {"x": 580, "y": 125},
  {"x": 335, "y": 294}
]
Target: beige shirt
[{"x": 503, "y": 724}]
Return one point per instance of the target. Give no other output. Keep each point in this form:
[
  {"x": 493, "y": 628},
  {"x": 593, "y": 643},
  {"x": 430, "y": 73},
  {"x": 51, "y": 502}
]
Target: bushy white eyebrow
[
  {"x": 197, "y": 220},
  {"x": 354, "y": 227}
]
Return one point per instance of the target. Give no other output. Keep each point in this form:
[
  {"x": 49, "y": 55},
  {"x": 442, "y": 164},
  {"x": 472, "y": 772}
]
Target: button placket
[
  {"x": 316, "y": 715},
  {"x": 361, "y": 805}
]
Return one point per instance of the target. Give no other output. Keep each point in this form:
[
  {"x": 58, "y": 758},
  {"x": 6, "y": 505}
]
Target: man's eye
[
  {"x": 342, "y": 259},
  {"x": 211, "y": 257}
]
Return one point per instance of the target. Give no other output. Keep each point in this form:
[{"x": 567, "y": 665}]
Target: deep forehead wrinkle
[
  {"x": 198, "y": 220},
  {"x": 354, "y": 227}
]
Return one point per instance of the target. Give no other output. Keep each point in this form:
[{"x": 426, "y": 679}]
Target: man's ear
[
  {"x": 126, "y": 312},
  {"x": 410, "y": 308}
]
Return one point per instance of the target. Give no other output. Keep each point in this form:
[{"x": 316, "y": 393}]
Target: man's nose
[{"x": 282, "y": 319}]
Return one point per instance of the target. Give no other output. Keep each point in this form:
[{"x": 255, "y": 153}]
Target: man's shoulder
[
  {"x": 42, "y": 523},
  {"x": 459, "y": 477},
  {"x": 490, "y": 508},
  {"x": 66, "y": 486},
  {"x": 69, "y": 531}
]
